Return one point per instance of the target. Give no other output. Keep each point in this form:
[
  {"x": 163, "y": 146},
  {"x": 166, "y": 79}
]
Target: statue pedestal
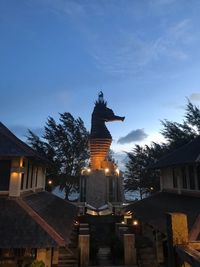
[
  {"x": 101, "y": 191},
  {"x": 96, "y": 189}
]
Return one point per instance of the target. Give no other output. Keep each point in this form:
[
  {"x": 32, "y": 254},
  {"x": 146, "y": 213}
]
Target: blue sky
[{"x": 56, "y": 55}]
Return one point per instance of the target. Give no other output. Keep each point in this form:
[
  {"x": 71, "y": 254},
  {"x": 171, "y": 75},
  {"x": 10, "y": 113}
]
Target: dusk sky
[{"x": 56, "y": 55}]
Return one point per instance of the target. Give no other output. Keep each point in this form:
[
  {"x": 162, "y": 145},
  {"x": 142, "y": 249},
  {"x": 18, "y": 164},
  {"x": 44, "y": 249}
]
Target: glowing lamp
[
  {"x": 135, "y": 222},
  {"x": 106, "y": 170},
  {"x": 117, "y": 171},
  {"x": 50, "y": 182}
]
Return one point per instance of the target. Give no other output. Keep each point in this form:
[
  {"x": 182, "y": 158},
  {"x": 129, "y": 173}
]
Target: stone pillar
[
  {"x": 177, "y": 232},
  {"x": 84, "y": 245},
  {"x": 129, "y": 250},
  {"x": 15, "y": 177}
]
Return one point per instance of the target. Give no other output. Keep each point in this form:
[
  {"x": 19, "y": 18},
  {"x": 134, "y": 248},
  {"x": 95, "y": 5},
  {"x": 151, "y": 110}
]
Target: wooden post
[
  {"x": 177, "y": 232},
  {"x": 55, "y": 257},
  {"x": 129, "y": 249},
  {"x": 84, "y": 243}
]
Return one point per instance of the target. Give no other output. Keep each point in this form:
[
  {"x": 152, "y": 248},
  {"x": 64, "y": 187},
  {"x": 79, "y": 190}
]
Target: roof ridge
[{"x": 19, "y": 143}]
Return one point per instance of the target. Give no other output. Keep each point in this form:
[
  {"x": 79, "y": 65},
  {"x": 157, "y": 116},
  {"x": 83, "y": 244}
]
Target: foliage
[
  {"x": 138, "y": 174},
  {"x": 36, "y": 263},
  {"x": 65, "y": 144}
]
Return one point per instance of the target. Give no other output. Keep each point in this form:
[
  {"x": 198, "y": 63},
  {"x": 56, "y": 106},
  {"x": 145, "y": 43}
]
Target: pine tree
[{"x": 65, "y": 144}]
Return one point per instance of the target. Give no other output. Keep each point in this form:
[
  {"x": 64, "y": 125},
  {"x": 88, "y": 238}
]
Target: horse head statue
[{"x": 100, "y": 137}]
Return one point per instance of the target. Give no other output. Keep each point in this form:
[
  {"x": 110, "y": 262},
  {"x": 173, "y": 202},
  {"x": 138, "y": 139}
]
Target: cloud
[
  {"x": 120, "y": 50},
  {"x": 133, "y": 136},
  {"x": 21, "y": 131},
  {"x": 195, "y": 97}
]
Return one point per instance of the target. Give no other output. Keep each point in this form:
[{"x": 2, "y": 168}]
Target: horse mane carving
[{"x": 100, "y": 138}]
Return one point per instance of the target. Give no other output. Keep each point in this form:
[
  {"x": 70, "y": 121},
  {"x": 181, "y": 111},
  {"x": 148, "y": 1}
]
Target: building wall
[
  {"x": 181, "y": 179},
  {"x": 25, "y": 175}
]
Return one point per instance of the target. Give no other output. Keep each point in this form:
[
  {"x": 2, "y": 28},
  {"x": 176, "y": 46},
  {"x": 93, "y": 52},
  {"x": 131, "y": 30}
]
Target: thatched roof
[
  {"x": 11, "y": 146},
  {"x": 152, "y": 210},
  {"x": 189, "y": 153}
]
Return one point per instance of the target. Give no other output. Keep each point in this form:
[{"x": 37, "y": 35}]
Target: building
[
  {"x": 180, "y": 193},
  {"x": 30, "y": 218}
]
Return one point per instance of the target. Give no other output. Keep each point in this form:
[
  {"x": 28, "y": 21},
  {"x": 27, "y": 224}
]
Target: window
[
  {"x": 5, "y": 166},
  {"x": 184, "y": 177},
  {"x": 174, "y": 174},
  {"x": 191, "y": 177},
  {"x": 27, "y": 175},
  {"x": 198, "y": 176},
  {"x": 22, "y": 181},
  {"x": 32, "y": 171},
  {"x": 22, "y": 176},
  {"x": 36, "y": 177}
]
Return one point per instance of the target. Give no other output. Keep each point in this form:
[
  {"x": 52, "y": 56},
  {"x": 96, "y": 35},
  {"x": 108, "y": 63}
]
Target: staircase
[
  {"x": 68, "y": 257},
  {"x": 103, "y": 256},
  {"x": 147, "y": 257}
]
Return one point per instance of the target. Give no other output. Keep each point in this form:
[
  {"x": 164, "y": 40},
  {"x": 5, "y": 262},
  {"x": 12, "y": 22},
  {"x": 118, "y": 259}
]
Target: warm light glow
[
  {"x": 129, "y": 212},
  {"x": 76, "y": 223},
  {"x": 135, "y": 222},
  {"x": 117, "y": 171},
  {"x": 151, "y": 188},
  {"x": 50, "y": 182},
  {"x": 106, "y": 170},
  {"x": 88, "y": 170},
  {"x": 122, "y": 222}
]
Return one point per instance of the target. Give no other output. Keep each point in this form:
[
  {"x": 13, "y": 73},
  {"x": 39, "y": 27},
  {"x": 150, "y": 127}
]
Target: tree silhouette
[
  {"x": 65, "y": 144},
  {"x": 139, "y": 175}
]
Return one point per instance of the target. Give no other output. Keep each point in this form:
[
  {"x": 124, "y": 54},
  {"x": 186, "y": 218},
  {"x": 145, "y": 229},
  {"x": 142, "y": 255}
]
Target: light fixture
[
  {"x": 106, "y": 170},
  {"x": 117, "y": 171},
  {"x": 88, "y": 170},
  {"x": 50, "y": 182},
  {"x": 135, "y": 222}
]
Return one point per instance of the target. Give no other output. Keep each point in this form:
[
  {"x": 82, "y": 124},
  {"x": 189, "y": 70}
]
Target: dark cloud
[
  {"x": 133, "y": 136},
  {"x": 21, "y": 131}
]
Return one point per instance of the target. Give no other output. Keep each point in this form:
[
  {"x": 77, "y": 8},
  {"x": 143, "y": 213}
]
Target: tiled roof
[
  {"x": 152, "y": 210},
  {"x": 188, "y": 153},
  {"x": 11, "y": 146},
  {"x": 58, "y": 213},
  {"x": 19, "y": 230}
]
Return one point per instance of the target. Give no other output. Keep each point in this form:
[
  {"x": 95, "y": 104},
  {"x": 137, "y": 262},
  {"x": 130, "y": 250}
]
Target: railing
[{"x": 182, "y": 251}]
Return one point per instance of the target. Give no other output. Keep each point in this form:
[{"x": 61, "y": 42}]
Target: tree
[
  {"x": 65, "y": 144},
  {"x": 138, "y": 174}
]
